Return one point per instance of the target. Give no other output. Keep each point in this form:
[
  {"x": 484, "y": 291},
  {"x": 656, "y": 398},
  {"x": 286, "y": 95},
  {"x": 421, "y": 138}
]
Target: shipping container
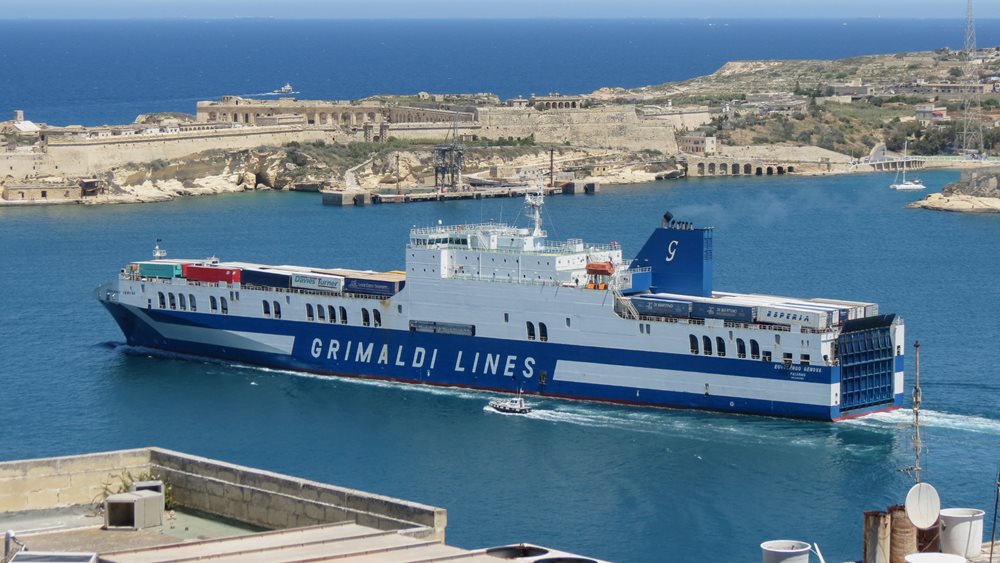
[
  {"x": 372, "y": 286},
  {"x": 266, "y": 278},
  {"x": 810, "y": 318},
  {"x": 212, "y": 274},
  {"x": 661, "y": 307},
  {"x": 738, "y": 313},
  {"x": 160, "y": 270},
  {"x": 318, "y": 282}
]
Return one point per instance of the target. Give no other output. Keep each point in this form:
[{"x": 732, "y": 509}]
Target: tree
[{"x": 955, "y": 72}]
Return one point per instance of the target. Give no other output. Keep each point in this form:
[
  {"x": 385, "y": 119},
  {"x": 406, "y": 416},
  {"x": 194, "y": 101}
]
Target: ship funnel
[{"x": 679, "y": 256}]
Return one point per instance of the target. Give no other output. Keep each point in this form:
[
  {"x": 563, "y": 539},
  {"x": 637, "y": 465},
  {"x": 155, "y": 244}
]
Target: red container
[{"x": 211, "y": 274}]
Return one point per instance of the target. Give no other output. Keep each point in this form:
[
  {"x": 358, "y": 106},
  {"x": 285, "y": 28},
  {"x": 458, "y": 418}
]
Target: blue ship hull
[{"x": 468, "y": 362}]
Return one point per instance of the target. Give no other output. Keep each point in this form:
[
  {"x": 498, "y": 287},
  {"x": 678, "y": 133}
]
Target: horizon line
[{"x": 489, "y": 18}]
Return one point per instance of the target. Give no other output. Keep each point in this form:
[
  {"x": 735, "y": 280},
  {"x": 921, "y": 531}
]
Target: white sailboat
[{"x": 907, "y": 185}]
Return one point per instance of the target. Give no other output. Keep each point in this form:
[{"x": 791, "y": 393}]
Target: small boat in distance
[
  {"x": 907, "y": 185},
  {"x": 286, "y": 89},
  {"x": 514, "y": 405}
]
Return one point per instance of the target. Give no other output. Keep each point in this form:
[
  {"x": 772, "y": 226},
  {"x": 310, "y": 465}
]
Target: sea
[{"x": 617, "y": 483}]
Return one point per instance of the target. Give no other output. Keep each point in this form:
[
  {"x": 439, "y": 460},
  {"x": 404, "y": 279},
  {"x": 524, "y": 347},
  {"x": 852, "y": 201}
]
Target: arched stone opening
[
  {"x": 781, "y": 170},
  {"x": 573, "y": 104},
  {"x": 770, "y": 171},
  {"x": 371, "y": 116},
  {"x": 701, "y": 168},
  {"x": 759, "y": 171},
  {"x": 735, "y": 168},
  {"x": 711, "y": 168},
  {"x": 791, "y": 169},
  {"x": 548, "y": 105},
  {"x": 747, "y": 169}
]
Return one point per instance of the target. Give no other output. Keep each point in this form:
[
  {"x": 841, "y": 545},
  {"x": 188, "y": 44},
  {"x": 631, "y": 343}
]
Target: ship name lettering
[
  {"x": 364, "y": 353},
  {"x": 529, "y": 367}
]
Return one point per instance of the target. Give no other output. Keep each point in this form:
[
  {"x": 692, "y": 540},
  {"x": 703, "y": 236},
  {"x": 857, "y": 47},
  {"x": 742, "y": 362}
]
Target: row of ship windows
[
  {"x": 741, "y": 349},
  {"x": 189, "y": 303},
  {"x": 329, "y": 313}
]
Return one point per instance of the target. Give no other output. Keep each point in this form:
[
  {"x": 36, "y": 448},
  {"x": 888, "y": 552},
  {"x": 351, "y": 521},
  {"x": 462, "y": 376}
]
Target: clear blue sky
[{"x": 16, "y": 9}]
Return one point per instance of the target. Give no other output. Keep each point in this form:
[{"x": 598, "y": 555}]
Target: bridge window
[
  {"x": 531, "y": 330},
  {"x": 309, "y": 312},
  {"x": 365, "y": 320},
  {"x": 192, "y": 302},
  {"x": 766, "y": 356},
  {"x": 266, "y": 306},
  {"x": 787, "y": 358},
  {"x": 741, "y": 348},
  {"x": 754, "y": 350},
  {"x": 706, "y": 343},
  {"x": 213, "y": 303},
  {"x": 694, "y": 343},
  {"x": 543, "y": 332},
  {"x": 173, "y": 302},
  {"x": 277, "y": 309},
  {"x": 181, "y": 302},
  {"x": 804, "y": 359},
  {"x": 161, "y": 299},
  {"x": 333, "y": 313},
  {"x": 320, "y": 312},
  {"x": 506, "y": 317},
  {"x": 720, "y": 346},
  {"x": 223, "y": 306},
  {"x": 343, "y": 316},
  {"x": 376, "y": 318}
]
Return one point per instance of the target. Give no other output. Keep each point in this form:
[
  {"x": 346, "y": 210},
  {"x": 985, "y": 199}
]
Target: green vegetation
[{"x": 122, "y": 483}]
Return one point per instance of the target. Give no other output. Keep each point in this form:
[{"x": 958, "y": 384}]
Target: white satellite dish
[{"x": 923, "y": 505}]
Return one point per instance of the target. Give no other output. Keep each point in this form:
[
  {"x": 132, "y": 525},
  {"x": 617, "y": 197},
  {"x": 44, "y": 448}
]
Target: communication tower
[{"x": 970, "y": 139}]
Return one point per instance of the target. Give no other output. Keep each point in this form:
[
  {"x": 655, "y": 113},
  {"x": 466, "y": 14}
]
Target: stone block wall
[
  {"x": 261, "y": 498},
  {"x": 65, "y": 481},
  {"x": 272, "y": 500}
]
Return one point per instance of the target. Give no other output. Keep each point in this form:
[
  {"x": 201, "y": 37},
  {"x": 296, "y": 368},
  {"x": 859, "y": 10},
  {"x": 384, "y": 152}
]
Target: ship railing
[{"x": 516, "y": 281}]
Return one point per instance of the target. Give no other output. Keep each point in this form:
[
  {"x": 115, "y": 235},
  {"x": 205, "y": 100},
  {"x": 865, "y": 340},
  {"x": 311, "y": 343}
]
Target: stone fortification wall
[
  {"x": 74, "y": 158},
  {"x": 612, "y": 127},
  {"x": 18, "y": 165}
]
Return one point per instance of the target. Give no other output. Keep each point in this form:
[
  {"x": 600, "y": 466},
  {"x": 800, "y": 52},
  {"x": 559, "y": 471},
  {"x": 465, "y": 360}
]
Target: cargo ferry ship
[{"x": 501, "y": 308}]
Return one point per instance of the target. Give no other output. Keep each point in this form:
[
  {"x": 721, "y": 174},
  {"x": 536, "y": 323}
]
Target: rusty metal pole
[{"x": 552, "y": 168}]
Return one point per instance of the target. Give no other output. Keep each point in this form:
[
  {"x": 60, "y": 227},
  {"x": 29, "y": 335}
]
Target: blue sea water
[
  {"x": 625, "y": 484},
  {"x": 94, "y": 72},
  {"x": 618, "y": 483}
]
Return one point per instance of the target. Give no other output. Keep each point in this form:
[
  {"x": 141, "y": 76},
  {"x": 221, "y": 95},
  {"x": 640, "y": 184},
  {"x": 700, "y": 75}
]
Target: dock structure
[
  {"x": 66, "y": 509},
  {"x": 361, "y": 197}
]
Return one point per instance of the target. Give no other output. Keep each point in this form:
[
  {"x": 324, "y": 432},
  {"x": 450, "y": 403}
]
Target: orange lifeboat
[{"x": 600, "y": 268}]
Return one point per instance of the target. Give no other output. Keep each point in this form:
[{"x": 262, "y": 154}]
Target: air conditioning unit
[
  {"x": 133, "y": 511},
  {"x": 155, "y": 486}
]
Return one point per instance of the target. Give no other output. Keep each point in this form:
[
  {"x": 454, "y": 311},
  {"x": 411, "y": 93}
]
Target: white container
[
  {"x": 962, "y": 531},
  {"x": 785, "y": 551},
  {"x": 934, "y": 558}
]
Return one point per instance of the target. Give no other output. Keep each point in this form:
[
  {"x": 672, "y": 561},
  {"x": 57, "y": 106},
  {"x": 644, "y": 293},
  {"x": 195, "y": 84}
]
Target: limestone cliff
[{"x": 976, "y": 192}]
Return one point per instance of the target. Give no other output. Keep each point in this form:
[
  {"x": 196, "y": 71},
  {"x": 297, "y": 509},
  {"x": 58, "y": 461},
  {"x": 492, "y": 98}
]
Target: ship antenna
[
  {"x": 916, "y": 415},
  {"x": 158, "y": 252}
]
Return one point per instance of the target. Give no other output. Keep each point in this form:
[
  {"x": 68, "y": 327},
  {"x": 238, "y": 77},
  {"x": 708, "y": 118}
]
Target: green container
[{"x": 159, "y": 270}]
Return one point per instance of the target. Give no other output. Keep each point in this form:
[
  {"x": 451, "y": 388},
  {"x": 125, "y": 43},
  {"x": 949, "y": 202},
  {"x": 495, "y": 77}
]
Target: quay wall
[{"x": 85, "y": 157}]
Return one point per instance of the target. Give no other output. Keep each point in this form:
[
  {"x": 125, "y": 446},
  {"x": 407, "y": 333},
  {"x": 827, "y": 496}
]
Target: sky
[{"x": 388, "y": 9}]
